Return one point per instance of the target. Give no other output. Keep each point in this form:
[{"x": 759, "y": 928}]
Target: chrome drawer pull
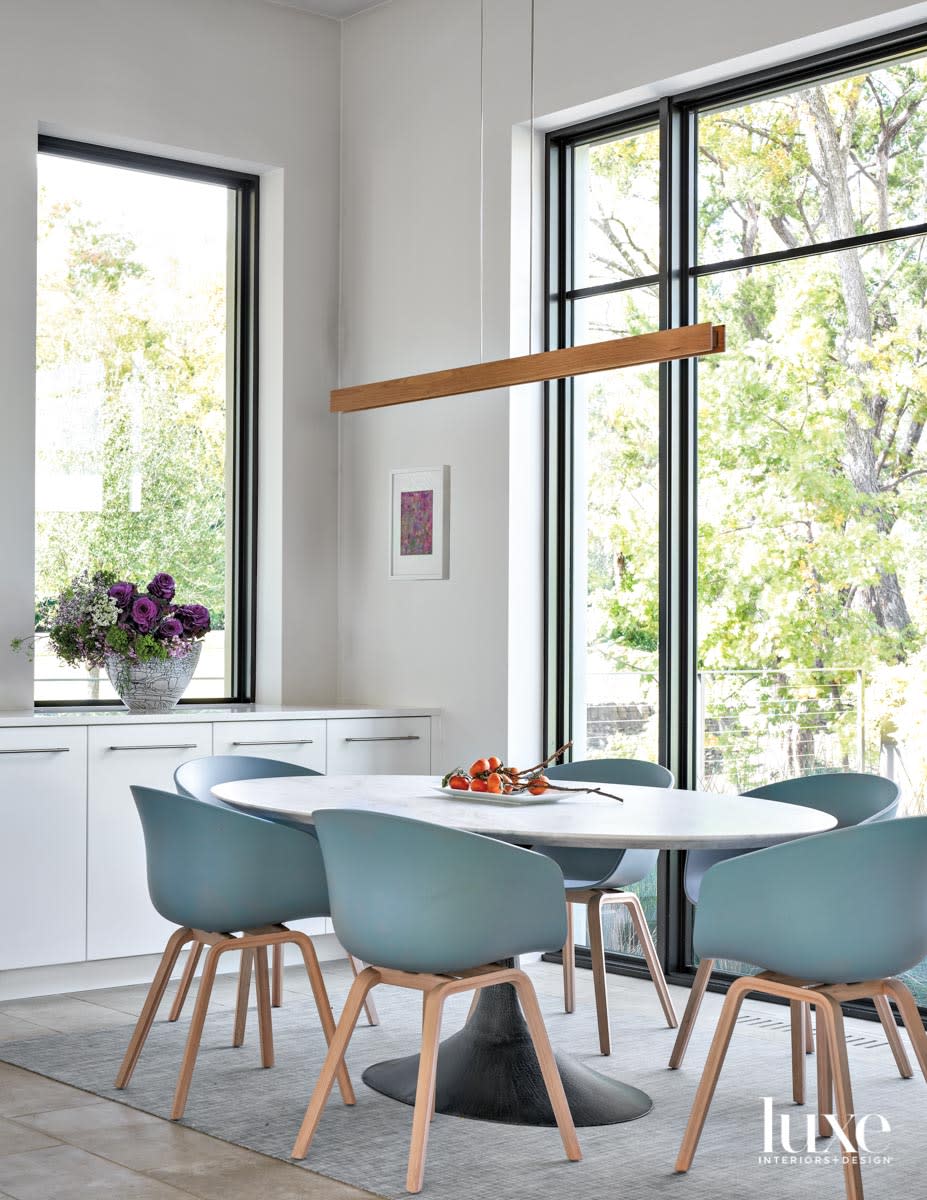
[
  {"x": 400, "y": 737},
  {"x": 42, "y": 750},
  {"x": 159, "y": 746},
  {"x": 277, "y": 742}
]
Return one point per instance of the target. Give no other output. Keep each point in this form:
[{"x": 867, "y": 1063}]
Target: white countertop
[
  {"x": 651, "y": 818},
  {"x": 47, "y": 717}
]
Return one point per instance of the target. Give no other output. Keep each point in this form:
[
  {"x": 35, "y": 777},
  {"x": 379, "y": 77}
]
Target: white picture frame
[{"x": 419, "y": 523}]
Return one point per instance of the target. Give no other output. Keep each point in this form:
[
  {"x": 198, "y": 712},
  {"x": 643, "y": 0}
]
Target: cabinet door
[
  {"x": 294, "y": 741},
  {"x": 120, "y": 918},
  {"x": 43, "y": 828},
  {"x": 379, "y": 746}
]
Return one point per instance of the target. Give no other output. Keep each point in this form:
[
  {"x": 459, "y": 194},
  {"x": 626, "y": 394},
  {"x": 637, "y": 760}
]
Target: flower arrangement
[{"x": 98, "y": 614}]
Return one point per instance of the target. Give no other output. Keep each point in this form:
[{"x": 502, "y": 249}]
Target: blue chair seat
[
  {"x": 854, "y": 798},
  {"x": 796, "y": 911},
  {"x": 597, "y": 877},
  {"x": 425, "y": 904},
  {"x": 212, "y": 870}
]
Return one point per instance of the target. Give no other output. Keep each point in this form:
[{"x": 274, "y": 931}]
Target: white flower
[{"x": 103, "y": 612}]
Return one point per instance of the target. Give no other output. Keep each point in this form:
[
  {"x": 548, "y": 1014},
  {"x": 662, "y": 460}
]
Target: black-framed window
[
  {"x": 146, "y": 396},
  {"x": 735, "y": 572}
]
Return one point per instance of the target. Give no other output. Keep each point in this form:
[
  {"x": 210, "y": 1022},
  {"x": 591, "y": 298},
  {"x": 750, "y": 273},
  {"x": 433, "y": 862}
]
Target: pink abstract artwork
[{"x": 416, "y": 522}]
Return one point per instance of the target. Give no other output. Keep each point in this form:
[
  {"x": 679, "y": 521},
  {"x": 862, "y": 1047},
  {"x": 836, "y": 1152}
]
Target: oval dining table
[{"x": 488, "y": 1070}]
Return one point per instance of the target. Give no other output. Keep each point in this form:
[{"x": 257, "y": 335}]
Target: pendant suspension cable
[
  {"x": 482, "y": 169},
  {"x": 531, "y": 188}
]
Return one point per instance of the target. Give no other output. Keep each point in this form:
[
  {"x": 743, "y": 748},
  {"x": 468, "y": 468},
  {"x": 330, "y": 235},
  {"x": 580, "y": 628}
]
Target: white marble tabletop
[{"x": 651, "y": 818}]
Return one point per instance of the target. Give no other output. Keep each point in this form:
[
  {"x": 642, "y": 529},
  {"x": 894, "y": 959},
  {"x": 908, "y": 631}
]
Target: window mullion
[{"x": 677, "y": 509}]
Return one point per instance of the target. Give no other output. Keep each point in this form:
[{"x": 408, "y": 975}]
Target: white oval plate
[{"x": 551, "y": 796}]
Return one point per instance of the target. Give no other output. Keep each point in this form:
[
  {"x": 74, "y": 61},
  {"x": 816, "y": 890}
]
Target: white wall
[
  {"x": 237, "y": 82},
  {"x": 414, "y": 297}
]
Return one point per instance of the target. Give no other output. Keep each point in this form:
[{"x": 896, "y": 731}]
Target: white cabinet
[
  {"x": 120, "y": 918},
  {"x": 43, "y": 826},
  {"x": 294, "y": 741},
  {"x": 73, "y": 876},
  {"x": 379, "y": 746}
]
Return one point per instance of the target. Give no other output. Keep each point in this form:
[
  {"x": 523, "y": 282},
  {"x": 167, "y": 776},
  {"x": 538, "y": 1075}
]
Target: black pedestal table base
[{"x": 489, "y": 1071}]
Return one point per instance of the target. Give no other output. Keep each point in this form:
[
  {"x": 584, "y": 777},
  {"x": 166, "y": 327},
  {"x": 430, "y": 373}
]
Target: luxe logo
[{"x": 804, "y": 1146}]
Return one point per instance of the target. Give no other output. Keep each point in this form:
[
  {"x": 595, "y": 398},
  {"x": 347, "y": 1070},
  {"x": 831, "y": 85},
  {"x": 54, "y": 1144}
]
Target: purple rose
[
  {"x": 122, "y": 593},
  {"x": 162, "y": 587},
  {"x": 171, "y": 628},
  {"x": 144, "y": 614},
  {"x": 194, "y": 618}
]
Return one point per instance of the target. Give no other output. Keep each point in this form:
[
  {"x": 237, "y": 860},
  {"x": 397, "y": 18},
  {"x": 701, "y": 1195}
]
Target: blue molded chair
[
  {"x": 449, "y": 906},
  {"x": 854, "y": 798},
  {"x": 595, "y": 878},
  {"x": 814, "y": 951},
  {"x": 197, "y": 777},
  {"x": 212, "y": 869}
]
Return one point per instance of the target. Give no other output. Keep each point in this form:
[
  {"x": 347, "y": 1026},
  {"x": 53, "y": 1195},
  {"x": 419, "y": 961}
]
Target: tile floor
[{"x": 58, "y": 1143}]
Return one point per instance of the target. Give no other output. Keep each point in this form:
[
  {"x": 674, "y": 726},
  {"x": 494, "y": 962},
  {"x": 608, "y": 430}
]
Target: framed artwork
[{"x": 419, "y": 523}]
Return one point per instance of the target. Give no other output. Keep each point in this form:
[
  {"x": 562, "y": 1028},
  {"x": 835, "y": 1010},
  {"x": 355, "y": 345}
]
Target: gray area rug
[{"x": 232, "y": 1098}]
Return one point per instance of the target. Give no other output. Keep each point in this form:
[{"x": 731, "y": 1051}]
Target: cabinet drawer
[
  {"x": 301, "y": 742},
  {"x": 43, "y": 828},
  {"x": 379, "y": 746},
  {"x": 120, "y": 918}
]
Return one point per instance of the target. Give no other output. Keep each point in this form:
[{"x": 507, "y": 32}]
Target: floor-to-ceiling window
[
  {"x": 144, "y": 396},
  {"x": 792, "y": 210}
]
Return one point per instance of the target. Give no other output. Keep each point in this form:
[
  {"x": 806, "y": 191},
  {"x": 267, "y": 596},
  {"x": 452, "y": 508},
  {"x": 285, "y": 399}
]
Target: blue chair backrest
[
  {"x": 198, "y": 776},
  {"x": 798, "y": 908},
  {"x": 215, "y": 868},
  {"x": 853, "y": 797},
  {"x": 418, "y": 897},
  {"x": 602, "y": 867}
]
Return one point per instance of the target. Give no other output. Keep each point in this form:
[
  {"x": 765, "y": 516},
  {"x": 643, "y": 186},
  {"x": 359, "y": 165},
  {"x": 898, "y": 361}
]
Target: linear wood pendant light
[{"x": 688, "y": 341}]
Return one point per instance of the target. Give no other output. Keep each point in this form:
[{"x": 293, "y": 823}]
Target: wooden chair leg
[
  {"x": 642, "y": 929},
  {"x": 825, "y": 1087},
  {"x": 334, "y": 1060},
  {"x": 175, "y": 944},
  {"x": 809, "y": 1031},
  {"x": 373, "y": 1017},
  {"x": 276, "y": 996},
  {"x": 887, "y": 1017},
  {"x": 265, "y": 1023},
  {"x": 193, "y": 957},
  {"x": 907, "y": 1006},
  {"x": 709, "y": 1080},
  {"x": 196, "y": 1026},
  {"x": 548, "y": 1065},
  {"x": 433, "y": 1004},
  {"x": 569, "y": 965},
  {"x": 599, "y": 979},
  {"x": 323, "y": 1005},
  {"x": 797, "y": 1013},
  {"x": 244, "y": 993},
  {"x": 694, "y": 1003},
  {"x": 831, "y": 1015}
]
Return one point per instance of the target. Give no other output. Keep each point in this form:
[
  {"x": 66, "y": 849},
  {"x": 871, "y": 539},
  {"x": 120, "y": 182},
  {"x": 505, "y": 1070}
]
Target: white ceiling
[{"x": 330, "y": 8}]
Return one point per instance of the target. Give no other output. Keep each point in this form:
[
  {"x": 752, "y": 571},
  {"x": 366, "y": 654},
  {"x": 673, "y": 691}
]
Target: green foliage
[
  {"x": 812, "y": 484},
  {"x": 131, "y": 391},
  {"x": 144, "y": 645}
]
